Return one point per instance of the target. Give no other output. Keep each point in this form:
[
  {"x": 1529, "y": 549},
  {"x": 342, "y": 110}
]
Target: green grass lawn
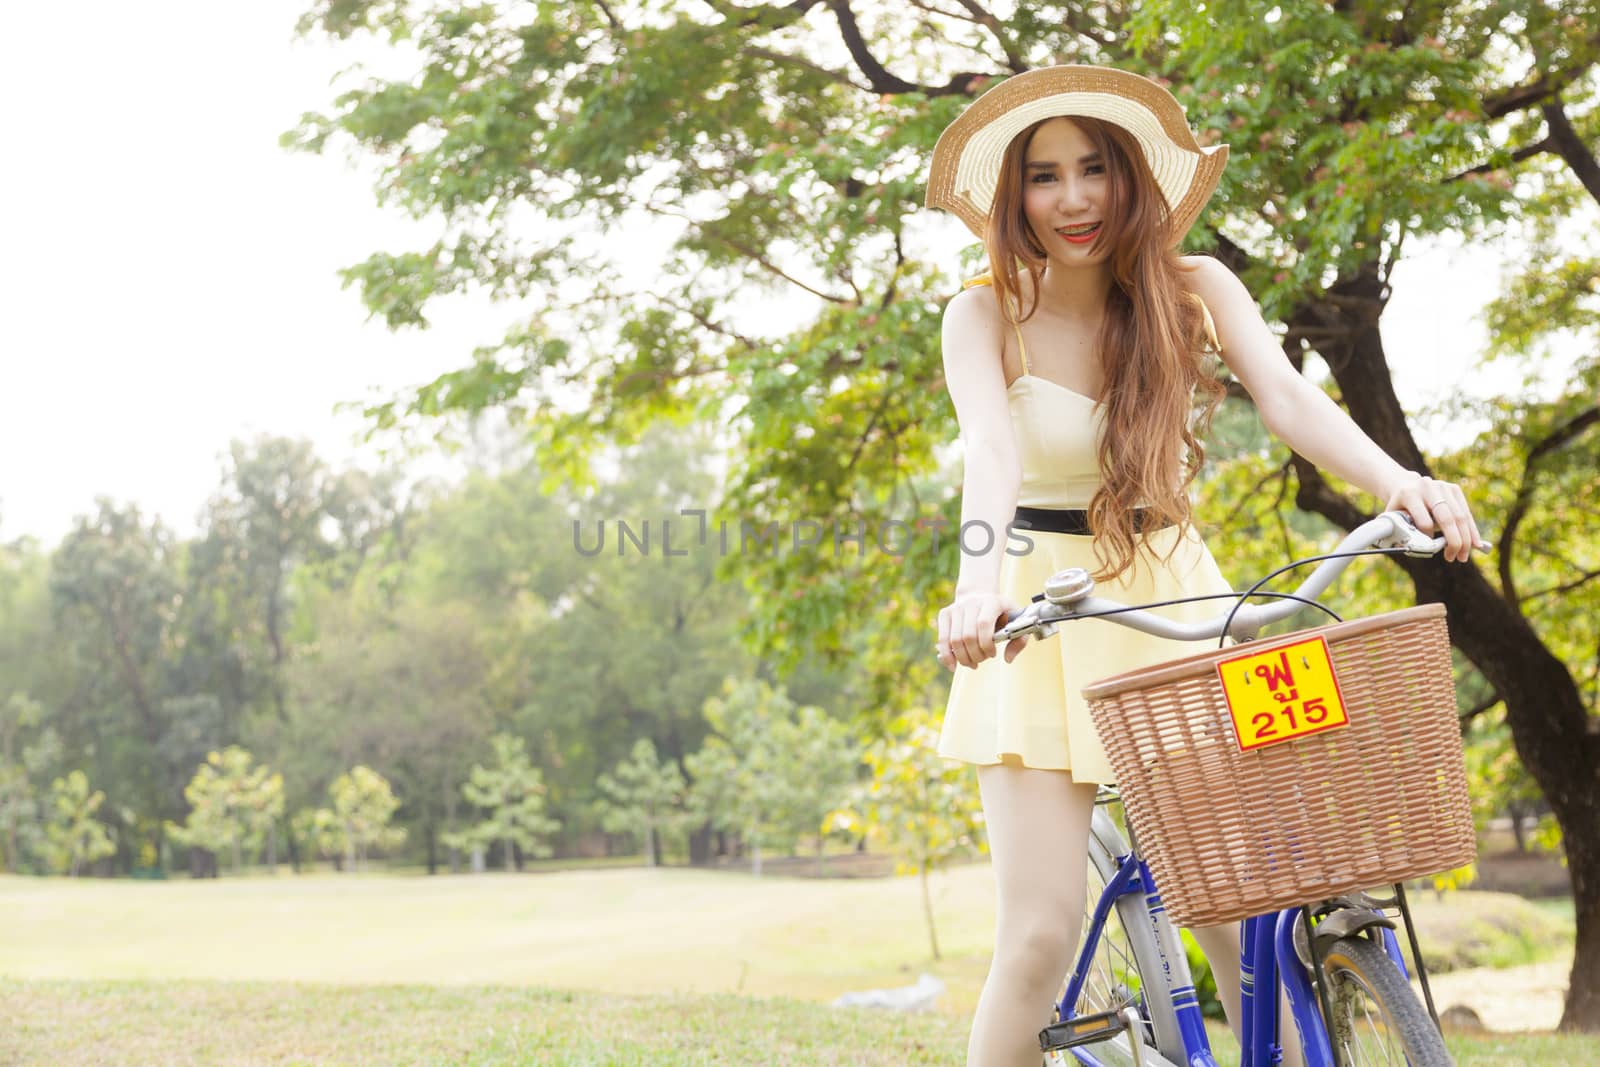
[
  {"x": 382, "y": 969},
  {"x": 178, "y": 1023}
]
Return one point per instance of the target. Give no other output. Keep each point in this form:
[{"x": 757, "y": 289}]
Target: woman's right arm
[{"x": 991, "y": 476}]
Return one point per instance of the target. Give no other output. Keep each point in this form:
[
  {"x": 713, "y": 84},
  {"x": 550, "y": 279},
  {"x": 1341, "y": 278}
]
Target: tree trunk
[
  {"x": 511, "y": 863},
  {"x": 450, "y": 828},
  {"x": 652, "y": 848},
  {"x": 294, "y": 846},
  {"x": 927, "y": 911},
  {"x": 1550, "y": 725},
  {"x": 272, "y": 847},
  {"x": 1518, "y": 837},
  {"x": 430, "y": 836},
  {"x": 700, "y": 846}
]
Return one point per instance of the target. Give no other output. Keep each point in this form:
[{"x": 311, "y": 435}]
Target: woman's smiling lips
[{"x": 1080, "y": 238}]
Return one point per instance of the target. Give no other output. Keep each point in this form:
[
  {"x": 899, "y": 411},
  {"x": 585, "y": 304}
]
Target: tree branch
[
  {"x": 770, "y": 18},
  {"x": 752, "y": 254},
  {"x": 880, "y": 80},
  {"x": 1565, "y": 587},
  {"x": 1525, "y": 152},
  {"x": 1281, "y": 473},
  {"x": 1540, "y": 89},
  {"x": 1570, "y": 147},
  {"x": 1559, "y": 437},
  {"x": 785, "y": 59},
  {"x": 1488, "y": 703},
  {"x": 606, "y": 11},
  {"x": 1316, "y": 495},
  {"x": 987, "y": 20}
]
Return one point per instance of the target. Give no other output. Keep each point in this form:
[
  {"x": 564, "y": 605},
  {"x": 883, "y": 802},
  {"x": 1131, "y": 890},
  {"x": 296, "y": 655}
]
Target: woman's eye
[
  {"x": 1094, "y": 168},
  {"x": 1043, "y": 178}
]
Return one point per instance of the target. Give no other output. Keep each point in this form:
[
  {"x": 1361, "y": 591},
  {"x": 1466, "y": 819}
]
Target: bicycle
[{"x": 1130, "y": 998}]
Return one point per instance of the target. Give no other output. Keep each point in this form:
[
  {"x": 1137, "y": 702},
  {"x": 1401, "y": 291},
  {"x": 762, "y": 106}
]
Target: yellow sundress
[{"x": 1031, "y": 711}]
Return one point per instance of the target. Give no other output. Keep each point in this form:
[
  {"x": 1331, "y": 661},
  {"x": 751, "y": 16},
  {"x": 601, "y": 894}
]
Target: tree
[
  {"x": 1374, "y": 161},
  {"x": 73, "y": 835},
  {"x": 821, "y": 756},
  {"x": 771, "y": 771},
  {"x": 19, "y": 806},
  {"x": 265, "y": 519},
  {"x": 644, "y": 797},
  {"x": 512, "y": 794},
  {"x": 232, "y": 805},
  {"x": 113, "y": 584},
  {"x": 396, "y": 678},
  {"x": 363, "y": 804},
  {"x": 1355, "y": 127},
  {"x": 918, "y": 805},
  {"x": 322, "y": 833},
  {"x": 736, "y": 774},
  {"x": 31, "y": 679}
]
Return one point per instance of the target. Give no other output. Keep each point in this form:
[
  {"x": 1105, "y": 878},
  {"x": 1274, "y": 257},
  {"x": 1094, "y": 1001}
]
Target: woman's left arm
[{"x": 1306, "y": 419}]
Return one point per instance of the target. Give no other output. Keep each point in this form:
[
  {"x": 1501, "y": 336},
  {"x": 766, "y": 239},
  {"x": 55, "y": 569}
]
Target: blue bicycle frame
[{"x": 1267, "y": 956}]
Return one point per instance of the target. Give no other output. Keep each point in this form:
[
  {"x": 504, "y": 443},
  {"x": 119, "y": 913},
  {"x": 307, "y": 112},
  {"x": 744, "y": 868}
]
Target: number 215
[{"x": 1314, "y": 711}]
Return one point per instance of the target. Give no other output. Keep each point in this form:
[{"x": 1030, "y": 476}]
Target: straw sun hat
[{"x": 966, "y": 160}]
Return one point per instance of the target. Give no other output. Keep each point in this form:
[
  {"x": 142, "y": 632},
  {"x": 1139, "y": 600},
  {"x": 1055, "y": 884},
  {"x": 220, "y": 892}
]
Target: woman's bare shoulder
[
  {"x": 972, "y": 336},
  {"x": 977, "y": 304}
]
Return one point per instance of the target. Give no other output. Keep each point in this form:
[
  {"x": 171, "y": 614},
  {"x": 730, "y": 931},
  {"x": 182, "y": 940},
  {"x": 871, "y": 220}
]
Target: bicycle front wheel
[{"x": 1377, "y": 1019}]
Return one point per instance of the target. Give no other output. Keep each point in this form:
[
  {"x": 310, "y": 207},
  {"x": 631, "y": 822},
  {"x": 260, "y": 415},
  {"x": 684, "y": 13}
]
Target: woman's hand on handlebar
[
  {"x": 967, "y": 626},
  {"x": 1438, "y": 508}
]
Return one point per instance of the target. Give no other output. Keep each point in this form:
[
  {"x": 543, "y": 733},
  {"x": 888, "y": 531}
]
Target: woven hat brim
[{"x": 966, "y": 160}]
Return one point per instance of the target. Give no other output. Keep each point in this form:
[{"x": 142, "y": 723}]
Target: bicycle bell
[{"x": 1068, "y": 586}]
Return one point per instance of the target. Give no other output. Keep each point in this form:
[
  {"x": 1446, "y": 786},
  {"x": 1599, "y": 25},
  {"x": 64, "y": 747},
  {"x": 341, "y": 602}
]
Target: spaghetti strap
[{"x": 987, "y": 278}]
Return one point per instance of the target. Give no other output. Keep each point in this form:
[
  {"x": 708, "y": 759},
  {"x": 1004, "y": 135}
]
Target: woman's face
[{"x": 1063, "y": 190}]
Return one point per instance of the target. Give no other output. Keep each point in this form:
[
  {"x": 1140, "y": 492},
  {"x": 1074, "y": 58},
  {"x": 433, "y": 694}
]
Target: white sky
[{"x": 169, "y": 277}]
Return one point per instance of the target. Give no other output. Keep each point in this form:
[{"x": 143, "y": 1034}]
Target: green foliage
[
  {"x": 321, "y": 833},
  {"x": 21, "y": 815},
  {"x": 363, "y": 804},
  {"x": 232, "y": 805},
  {"x": 923, "y": 808},
  {"x": 772, "y": 770},
  {"x": 1348, "y": 129},
  {"x": 73, "y": 837},
  {"x": 643, "y": 796},
  {"x": 113, "y": 587},
  {"x": 1205, "y": 983},
  {"x": 512, "y": 794}
]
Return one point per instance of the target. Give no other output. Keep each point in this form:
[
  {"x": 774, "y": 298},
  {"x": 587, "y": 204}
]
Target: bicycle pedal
[{"x": 1082, "y": 1030}]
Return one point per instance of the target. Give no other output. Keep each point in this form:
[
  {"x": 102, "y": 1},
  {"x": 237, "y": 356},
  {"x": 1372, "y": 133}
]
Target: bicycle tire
[
  {"x": 1359, "y": 970},
  {"x": 1129, "y": 941}
]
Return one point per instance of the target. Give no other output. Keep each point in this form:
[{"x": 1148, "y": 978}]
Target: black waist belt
[{"x": 1068, "y": 520}]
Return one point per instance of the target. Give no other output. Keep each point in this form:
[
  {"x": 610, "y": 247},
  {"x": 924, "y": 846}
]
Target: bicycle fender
[{"x": 1347, "y": 921}]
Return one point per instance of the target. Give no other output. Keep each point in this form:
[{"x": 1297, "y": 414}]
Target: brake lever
[
  {"x": 1408, "y": 538},
  {"x": 1025, "y": 623}
]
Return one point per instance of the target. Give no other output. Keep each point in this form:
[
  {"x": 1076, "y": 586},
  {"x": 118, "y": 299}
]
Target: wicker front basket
[{"x": 1230, "y": 833}]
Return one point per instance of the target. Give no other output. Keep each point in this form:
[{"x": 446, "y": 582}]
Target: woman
[{"x": 1081, "y": 383}]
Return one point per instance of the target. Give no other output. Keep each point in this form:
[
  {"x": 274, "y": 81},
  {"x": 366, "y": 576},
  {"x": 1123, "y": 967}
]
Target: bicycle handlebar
[{"x": 1067, "y": 593}]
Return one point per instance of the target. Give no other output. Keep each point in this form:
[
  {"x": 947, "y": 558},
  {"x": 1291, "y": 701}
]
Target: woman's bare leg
[{"x": 1038, "y": 828}]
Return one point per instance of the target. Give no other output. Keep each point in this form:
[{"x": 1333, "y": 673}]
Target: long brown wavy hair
[{"x": 1161, "y": 388}]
